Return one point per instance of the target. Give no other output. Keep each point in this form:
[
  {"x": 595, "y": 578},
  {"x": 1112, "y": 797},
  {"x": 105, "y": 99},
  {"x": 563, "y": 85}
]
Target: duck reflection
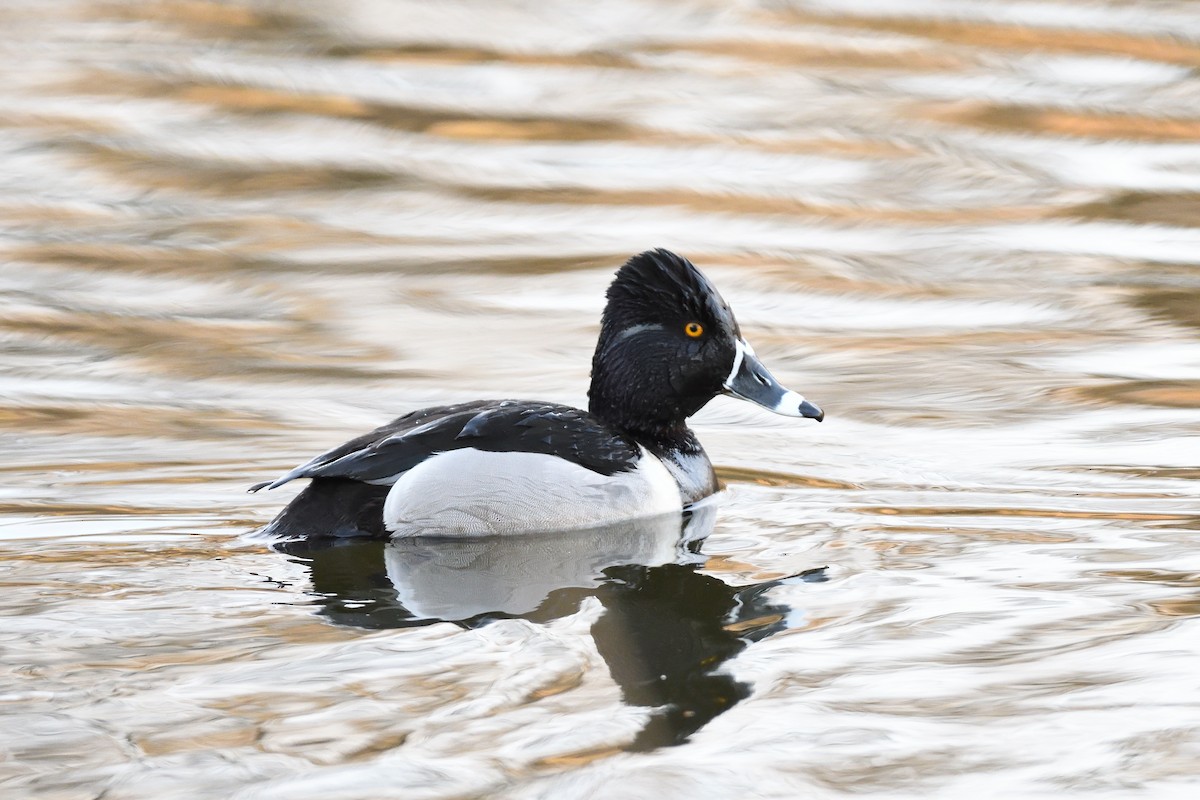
[{"x": 666, "y": 628}]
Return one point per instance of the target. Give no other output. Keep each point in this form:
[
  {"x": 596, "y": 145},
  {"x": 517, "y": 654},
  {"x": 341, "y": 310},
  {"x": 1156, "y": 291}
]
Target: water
[{"x": 235, "y": 234}]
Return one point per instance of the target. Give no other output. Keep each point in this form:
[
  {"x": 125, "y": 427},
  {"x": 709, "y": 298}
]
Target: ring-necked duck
[{"x": 668, "y": 344}]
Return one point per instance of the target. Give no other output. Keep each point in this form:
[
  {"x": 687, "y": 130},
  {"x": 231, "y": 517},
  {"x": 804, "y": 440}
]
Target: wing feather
[{"x": 386, "y": 453}]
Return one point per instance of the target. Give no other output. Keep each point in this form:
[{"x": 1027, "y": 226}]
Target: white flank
[{"x": 472, "y": 492}]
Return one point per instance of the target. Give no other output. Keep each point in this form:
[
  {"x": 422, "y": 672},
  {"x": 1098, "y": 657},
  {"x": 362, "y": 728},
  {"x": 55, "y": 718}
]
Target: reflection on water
[
  {"x": 234, "y": 233},
  {"x": 665, "y": 632},
  {"x": 414, "y": 580}
]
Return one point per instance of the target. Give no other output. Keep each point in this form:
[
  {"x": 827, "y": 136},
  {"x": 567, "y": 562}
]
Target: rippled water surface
[{"x": 234, "y": 234}]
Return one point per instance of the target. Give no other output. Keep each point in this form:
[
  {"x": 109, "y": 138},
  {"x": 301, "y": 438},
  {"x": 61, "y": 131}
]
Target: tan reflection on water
[{"x": 235, "y": 233}]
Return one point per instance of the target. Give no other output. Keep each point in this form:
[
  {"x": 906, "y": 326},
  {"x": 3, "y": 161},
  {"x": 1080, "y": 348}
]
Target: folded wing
[{"x": 383, "y": 455}]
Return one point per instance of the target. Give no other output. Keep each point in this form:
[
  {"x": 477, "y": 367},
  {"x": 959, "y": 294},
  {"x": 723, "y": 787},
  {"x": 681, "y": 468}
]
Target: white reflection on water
[{"x": 459, "y": 580}]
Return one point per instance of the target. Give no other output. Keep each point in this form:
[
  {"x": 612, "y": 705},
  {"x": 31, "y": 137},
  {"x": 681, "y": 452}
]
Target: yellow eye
[{"x": 693, "y": 329}]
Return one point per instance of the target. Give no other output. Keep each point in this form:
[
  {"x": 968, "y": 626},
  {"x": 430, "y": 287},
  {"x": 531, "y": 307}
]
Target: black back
[{"x": 493, "y": 425}]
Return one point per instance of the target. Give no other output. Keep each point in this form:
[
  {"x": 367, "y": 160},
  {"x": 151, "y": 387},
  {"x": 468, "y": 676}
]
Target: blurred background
[{"x": 233, "y": 234}]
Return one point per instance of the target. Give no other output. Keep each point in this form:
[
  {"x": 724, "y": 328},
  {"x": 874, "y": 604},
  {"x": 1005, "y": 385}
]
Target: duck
[{"x": 668, "y": 344}]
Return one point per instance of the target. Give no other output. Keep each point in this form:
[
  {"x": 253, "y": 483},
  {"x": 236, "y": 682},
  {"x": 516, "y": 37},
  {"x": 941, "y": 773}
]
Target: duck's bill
[{"x": 750, "y": 380}]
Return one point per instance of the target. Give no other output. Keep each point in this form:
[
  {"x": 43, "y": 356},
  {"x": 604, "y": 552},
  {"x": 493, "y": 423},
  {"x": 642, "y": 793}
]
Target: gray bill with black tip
[{"x": 750, "y": 380}]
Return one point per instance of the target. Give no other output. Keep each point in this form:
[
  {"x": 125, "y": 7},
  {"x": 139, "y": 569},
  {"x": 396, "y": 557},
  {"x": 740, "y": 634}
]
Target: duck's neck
[
  {"x": 660, "y": 427},
  {"x": 654, "y": 427},
  {"x": 658, "y": 439},
  {"x": 676, "y": 447},
  {"x": 664, "y": 434}
]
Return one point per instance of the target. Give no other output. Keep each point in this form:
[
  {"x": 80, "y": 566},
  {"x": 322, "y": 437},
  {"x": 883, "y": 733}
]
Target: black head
[{"x": 668, "y": 344}]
